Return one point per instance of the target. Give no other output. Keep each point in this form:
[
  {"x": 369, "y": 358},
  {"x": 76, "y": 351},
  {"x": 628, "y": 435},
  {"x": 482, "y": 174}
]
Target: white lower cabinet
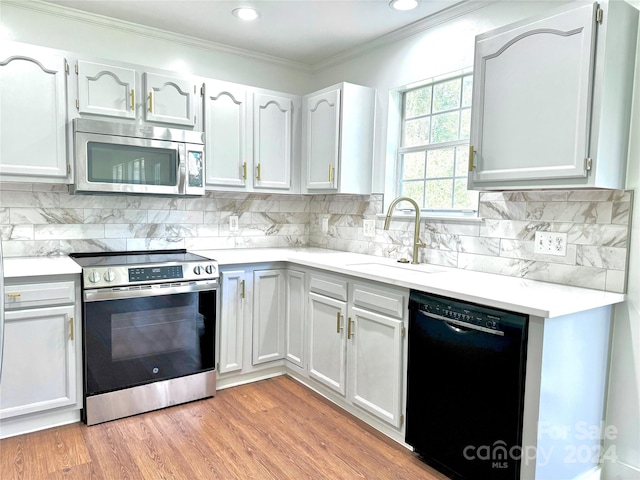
[
  {"x": 357, "y": 343},
  {"x": 268, "y": 315},
  {"x": 231, "y": 322},
  {"x": 41, "y": 366},
  {"x": 328, "y": 346},
  {"x": 252, "y": 318},
  {"x": 296, "y": 301}
]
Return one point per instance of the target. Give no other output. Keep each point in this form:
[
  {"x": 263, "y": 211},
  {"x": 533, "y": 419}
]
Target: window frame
[{"x": 397, "y": 101}]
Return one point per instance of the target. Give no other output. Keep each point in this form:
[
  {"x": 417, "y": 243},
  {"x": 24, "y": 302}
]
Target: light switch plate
[
  {"x": 369, "y": 228},
  {"x": 325, "y": 224},
  {"x": 233, "y": 223},
  {"x": 551, "y": 243}
]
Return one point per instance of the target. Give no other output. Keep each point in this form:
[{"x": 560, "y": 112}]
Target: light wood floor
[{"x": 273, "y": 429}]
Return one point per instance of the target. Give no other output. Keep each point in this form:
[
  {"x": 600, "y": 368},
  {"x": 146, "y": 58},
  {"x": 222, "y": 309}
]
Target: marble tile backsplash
[
  {"x": 38, "y": 219},
  {"x": 597, "y": 224},
  {"x": 41, "y": 220}
]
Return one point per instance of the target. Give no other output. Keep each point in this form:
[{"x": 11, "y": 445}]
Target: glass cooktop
[{"x": 95, "y": 259}]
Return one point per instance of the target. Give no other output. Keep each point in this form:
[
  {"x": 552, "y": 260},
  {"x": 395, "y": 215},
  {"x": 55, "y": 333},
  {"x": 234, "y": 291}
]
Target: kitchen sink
[{"x": 383, "y": 268}]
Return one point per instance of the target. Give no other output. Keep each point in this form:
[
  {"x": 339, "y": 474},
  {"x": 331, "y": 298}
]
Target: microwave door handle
[{"x": 182, "y": 169}]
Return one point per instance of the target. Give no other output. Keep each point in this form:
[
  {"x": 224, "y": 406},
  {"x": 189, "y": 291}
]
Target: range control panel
[{"x": 115, "y": 276}]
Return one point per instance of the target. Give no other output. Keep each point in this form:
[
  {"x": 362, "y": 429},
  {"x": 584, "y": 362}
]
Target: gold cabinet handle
[
  {"x": 71, "y": 332},
  {"x": 471, "y": 155},
  {"x": 242, "y": 289},
  {"x": 244, "y": 170},
  {"x": 151, "y": 101},
  {"x": 14, "y": 295},
  {"x": 258, "y": 173},
  {"x": 331, "y": 173},
  {"x": 133, "y": 100},
  {"x": 350, "y": 328},
  {"x": 338, "y": 325}
]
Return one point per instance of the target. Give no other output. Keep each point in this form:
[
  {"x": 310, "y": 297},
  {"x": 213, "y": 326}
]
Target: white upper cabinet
[
  {"x": 106, "y": 90},
  {"x": 552, "y": 98},
  {"x": 169, "y": 100},
  {"x": 225, "y": 125},
  {"x": 338, "y": 124},
  {"x": 272, "y": 123},
  {"x": 250, "y": 138},
  {"x": 115, "y": 91},
  {"x": 33, "y": 115}
]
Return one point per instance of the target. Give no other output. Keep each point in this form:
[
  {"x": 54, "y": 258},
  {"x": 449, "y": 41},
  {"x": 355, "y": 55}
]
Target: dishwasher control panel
[{"x": 461, "y": 313}]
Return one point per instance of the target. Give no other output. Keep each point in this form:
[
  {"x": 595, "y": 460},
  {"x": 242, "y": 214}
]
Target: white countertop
[
  {"x": 39, "y": 266},
  {"x": 531, "y": 297}
]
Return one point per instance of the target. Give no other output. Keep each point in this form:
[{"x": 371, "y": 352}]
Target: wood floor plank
[{"x": 273, "y": 429}]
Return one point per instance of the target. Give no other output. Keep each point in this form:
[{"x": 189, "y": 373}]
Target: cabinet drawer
[
  {"x": 329, "y": 287},
  {"x": 385, "y": 302},
  {"x": 38, "y": 295}
]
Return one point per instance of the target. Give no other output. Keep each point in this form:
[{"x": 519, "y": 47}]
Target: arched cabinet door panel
[
  {"x": 532, "y": 99},
  {"x": 552, "y": 100},
  {"x": 33, "y": 115}
]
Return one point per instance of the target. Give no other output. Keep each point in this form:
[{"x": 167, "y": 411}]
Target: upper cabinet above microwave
[
  {"x": 121, "y": 92},
  {"x": 552, "y": 100}
]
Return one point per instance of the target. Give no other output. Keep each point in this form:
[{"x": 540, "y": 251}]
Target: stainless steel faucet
[{"x": 416, "y": 229}]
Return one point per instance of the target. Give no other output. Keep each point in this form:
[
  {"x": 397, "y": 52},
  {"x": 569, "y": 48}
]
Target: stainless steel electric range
[{"x": 149, "y": 322}]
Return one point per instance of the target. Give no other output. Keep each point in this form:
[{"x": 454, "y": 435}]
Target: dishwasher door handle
[{"x": 457, "y": 325}]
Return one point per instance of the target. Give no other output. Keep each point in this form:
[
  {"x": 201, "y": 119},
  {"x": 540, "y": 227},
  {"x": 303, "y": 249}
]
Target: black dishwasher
[{"x": 465, "y": 387}]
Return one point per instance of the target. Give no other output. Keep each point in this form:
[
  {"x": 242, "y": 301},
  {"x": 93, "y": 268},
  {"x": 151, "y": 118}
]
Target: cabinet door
[
  {"x": 225, "y": 123},
  {"x": 106, "y": 90},
  {"x": 375, "y": 360},
  {"x": 39, "y": 367},
  {"x": 272, "y": 141},
  {"x": 232, "y": 293},
  {"x": 322, "y": 114},
  {"x": 327, "y": 348},
  {"x": 268, "y": 315},
  {"x": 33, "y": 115},
  {"x": 296, "y": 301},
  {"x": 532, "y": 99},
  {"x": 169, "y": 100}
]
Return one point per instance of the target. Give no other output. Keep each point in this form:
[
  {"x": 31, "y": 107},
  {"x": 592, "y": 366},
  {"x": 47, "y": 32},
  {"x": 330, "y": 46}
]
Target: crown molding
[
  {"x": 451, "y": 13},
  {"x": 150, "y": 32},
  {"x": 460, "y": 9}
]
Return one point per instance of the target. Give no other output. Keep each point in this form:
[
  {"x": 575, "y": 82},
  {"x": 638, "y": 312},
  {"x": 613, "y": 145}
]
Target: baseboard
[
  {"x": 233, "y": 380},
  {"x": 620, "y": 471},
  {"x": 10, "y": 427}
]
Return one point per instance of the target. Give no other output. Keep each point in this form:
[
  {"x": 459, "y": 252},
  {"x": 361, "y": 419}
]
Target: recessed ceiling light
[
  {"x": 246, "y": 13},
  {"x": 403, "y": 4}
]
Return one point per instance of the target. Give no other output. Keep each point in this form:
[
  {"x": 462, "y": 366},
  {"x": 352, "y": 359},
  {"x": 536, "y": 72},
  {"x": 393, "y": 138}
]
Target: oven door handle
[{"x": 102, "y": 294}]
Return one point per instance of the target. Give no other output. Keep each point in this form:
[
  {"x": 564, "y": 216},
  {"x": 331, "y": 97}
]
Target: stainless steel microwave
[{"x": 122, "y": 158}]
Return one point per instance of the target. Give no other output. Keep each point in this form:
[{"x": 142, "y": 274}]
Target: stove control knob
[
  {"x": 210, "y": 269},
  {"x": 94, "y": 277},
  {"x": 197, "y": 269},
  {"x": 109, "y": 276}
]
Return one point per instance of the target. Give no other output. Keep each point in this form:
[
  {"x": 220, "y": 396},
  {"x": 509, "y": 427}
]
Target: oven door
[{"x": 146, "y": 338}]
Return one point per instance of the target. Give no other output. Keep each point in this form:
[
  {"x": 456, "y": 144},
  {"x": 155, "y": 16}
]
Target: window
[{"x": 434, "y": 146}]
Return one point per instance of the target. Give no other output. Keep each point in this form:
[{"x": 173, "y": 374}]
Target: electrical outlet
[
  {"x": 551, "y": 243},
  {"x": 369, "y": 228},
  {"x": 233, "y": 223},
  {"x": 325, "y": 224}
]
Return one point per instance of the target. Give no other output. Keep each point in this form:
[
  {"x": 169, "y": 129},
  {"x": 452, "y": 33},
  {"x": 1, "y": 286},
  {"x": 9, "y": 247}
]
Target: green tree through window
[{"x": 434, "y": 150}]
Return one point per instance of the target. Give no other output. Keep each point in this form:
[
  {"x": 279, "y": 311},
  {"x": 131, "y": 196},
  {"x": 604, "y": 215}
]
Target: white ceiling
[{"x": 302, "y": 31}]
